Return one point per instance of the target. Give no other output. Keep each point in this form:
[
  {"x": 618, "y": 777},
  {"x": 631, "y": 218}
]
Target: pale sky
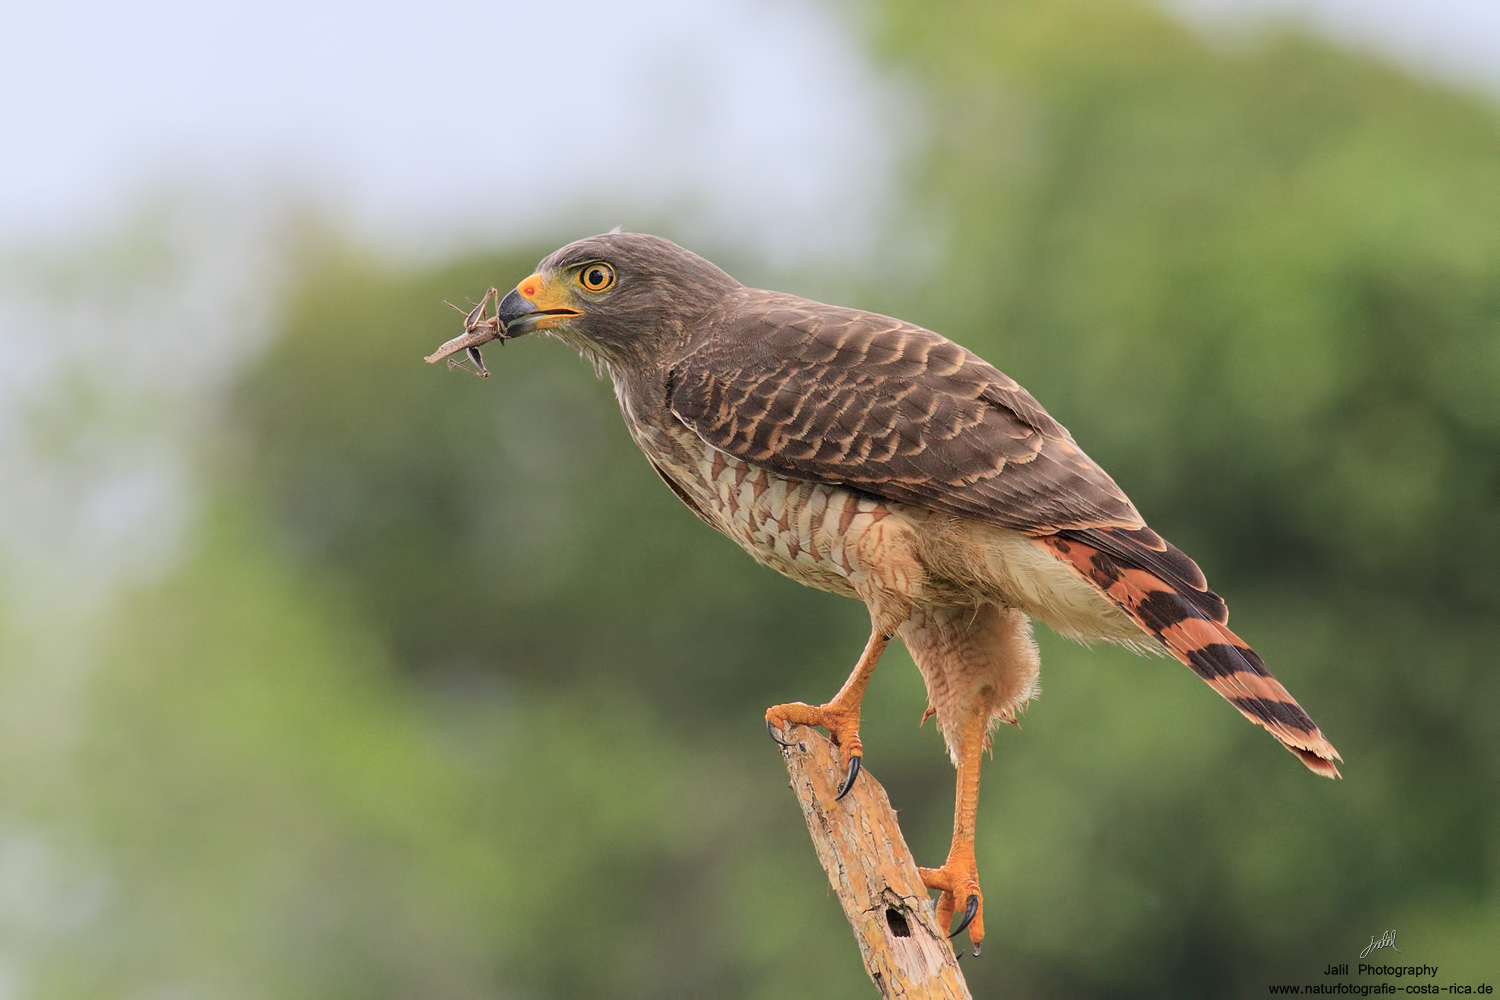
[
  {"x": 468, "y": 121},
  {"x": 1453, "y": 40},
  {"x": 449, "y": 118}
]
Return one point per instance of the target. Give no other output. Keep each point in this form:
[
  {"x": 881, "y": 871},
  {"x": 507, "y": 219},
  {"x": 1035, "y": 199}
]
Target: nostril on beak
[{"x": 513, "y": 307}]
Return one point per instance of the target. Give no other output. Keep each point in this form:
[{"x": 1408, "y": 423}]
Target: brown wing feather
[{"x": 852, "y": 398}]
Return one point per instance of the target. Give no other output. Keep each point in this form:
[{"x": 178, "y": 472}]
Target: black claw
[
  {"x": 971, "y": 909},
  {"x": 849, "y": 780},
  {"x": 771, "y": 728}
]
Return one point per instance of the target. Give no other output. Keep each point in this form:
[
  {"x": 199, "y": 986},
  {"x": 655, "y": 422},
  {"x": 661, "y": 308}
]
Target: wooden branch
[{"x": 861, "y": 848}]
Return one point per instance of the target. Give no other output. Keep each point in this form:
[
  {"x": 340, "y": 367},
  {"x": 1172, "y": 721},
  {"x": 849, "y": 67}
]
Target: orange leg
[
  {"x": 839, "y": 716},
  {"x": 959, "y": 877}
]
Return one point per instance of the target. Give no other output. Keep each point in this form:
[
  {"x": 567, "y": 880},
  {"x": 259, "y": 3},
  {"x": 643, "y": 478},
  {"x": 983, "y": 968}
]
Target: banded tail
[{"x": 1165, "y": 593}]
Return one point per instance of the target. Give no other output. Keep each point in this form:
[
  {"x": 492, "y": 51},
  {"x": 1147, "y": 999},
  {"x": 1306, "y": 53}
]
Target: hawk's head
[{"x": 622, "y": 298}]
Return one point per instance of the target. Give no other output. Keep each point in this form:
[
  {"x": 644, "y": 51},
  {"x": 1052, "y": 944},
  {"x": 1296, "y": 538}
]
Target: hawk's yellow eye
[{"x": 596, "y": 277}]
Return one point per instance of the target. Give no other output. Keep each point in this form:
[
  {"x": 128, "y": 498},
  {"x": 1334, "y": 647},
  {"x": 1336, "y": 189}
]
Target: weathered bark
[{"x": 861, "y": 848}]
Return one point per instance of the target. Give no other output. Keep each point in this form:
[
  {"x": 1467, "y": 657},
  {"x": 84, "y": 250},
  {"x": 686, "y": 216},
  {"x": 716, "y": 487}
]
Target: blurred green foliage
[{"x": 452, "y": 698}]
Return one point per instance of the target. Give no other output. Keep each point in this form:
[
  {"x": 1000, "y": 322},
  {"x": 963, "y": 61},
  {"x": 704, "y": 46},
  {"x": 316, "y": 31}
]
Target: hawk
[{"x": 873, "y": 458}]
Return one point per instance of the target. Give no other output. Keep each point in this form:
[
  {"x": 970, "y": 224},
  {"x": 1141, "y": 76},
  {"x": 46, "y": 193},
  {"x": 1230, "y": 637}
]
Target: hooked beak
[{"x": 535, "y": 304}]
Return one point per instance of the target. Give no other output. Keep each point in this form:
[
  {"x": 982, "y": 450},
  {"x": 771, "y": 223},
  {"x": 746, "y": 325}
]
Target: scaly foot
[
  {"x": 959, "y": 880},
  {"x": 841, "y": 721},
  {"x": 841, "y": 715}
]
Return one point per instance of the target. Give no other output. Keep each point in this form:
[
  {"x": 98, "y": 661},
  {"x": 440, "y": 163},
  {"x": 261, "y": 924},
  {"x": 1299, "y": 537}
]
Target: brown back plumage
[{"x": 851, "y": 398}]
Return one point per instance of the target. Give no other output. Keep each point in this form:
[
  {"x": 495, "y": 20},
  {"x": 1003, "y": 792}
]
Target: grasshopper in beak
[{"x": 478, "y": 329}]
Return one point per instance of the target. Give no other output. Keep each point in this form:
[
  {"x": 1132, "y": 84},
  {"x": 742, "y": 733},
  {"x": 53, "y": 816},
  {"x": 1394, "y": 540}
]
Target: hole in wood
[{"x": 896, "y": 920}]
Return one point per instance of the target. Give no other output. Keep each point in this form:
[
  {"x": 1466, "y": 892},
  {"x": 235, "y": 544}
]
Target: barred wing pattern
[{"x": 851, "y": 398}]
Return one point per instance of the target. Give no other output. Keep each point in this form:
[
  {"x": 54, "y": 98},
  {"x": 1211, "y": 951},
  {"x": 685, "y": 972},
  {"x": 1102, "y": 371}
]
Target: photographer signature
[{"x": 1386, "y": 940}]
